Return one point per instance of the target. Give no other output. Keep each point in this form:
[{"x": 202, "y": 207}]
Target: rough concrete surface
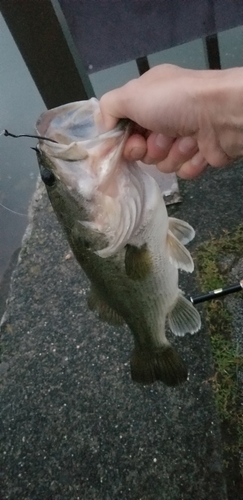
[{"x": 73, "y": 424}]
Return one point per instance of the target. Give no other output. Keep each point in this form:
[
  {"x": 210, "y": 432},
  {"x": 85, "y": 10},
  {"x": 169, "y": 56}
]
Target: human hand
[{"x": 188, "y": 118}]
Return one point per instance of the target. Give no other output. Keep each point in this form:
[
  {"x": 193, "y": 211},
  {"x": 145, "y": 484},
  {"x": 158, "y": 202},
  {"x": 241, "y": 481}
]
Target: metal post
[
  {"x": 212, "y": 51},
  {"x": 39, "y": 36}
]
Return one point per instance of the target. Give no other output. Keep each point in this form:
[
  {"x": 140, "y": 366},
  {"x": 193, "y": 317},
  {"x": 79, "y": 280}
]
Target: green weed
[{"x": 213, "y": 270}]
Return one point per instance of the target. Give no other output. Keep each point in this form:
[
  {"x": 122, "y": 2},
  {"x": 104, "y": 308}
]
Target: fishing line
[
  {"x": 13, "y": 211},
  {"x": 7, "y": 133}
]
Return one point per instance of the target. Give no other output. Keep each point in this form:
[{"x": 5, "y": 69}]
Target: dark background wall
[{"x": 110, "y": 32}]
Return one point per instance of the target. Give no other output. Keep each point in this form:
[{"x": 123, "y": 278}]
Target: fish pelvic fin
[
  {"x": 181, "y": 230},
  {"x": 178, "y": 254},
  {"x": 138, "y": 262},
  {"x": 184, "y": 318},
  {"x": 162, "y": 364},
  {"x": 105, "y": 312}
]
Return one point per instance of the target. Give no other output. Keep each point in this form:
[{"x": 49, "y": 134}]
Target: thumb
[{"x": 111, "y": 108}]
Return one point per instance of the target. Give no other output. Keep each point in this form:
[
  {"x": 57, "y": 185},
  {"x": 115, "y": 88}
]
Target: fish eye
[{"x": 47, "y": 176}]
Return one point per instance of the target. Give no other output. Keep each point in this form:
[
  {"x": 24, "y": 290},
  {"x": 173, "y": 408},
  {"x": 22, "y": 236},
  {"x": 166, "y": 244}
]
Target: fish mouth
[
  {"x": 70, "y": 122},
  {"x": 81, "y": 150},
  {"x": 88, "y": 162},
  {"x": 75, "y": 122},
  {"x": 77, "y": 131}
]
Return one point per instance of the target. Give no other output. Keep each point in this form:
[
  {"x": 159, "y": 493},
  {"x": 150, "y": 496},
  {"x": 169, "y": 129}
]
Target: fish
[{"x": 115, "y": 220}]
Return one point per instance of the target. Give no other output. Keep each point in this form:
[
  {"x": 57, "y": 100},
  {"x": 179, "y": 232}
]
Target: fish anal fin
[
  {"x": 105, "y": 312},
  {"x": 178, "y": 254},
  {"x": 162, "y": 364},
  {"x": 184, "y": 318},
  {"x": 181, "y": 230},
  {"x": 138, "y": 262}
]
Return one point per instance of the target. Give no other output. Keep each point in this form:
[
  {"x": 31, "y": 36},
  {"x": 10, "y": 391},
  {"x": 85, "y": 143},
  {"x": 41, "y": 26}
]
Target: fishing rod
[{"x": 219, "y": 292}]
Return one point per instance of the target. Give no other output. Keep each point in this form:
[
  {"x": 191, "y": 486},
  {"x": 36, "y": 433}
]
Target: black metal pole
[
  {"x": 142, "y": 64},
  {"x": 36, "y": 28},
  {"x": 212, "y": 51}
]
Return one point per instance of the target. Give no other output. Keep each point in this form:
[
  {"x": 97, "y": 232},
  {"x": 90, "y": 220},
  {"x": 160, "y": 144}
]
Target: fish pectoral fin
[
  {"x": 181, "y": 230},
  {"x": 178, "y": 254},
  {"x": 138, "y": 262},
  {"x": 184, "y": 318},
  {"x": 162, "y": 364},
  {"x": 105, "y": 312}
]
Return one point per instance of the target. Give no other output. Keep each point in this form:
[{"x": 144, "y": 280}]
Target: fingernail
[
  {"x": 198, "y": 160},
  {"x": 162, "y": 141},
  {"x": 136, "y": 153},
  {"x": 186, "y": 144}
]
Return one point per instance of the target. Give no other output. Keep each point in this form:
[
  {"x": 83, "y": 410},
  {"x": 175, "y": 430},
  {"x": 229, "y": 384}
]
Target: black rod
[{"x": 220, "y": 292}]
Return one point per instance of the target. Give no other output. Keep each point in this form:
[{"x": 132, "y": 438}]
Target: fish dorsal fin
[
  {"x": 138, "y": 262},
  {"x": 184, "y": 318},
  {"x": 178, "y": 254},
  {"x": 163, "y": 364},
  {"x": 181, "y": 230}
]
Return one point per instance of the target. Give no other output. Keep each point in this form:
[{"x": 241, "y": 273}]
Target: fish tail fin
[
  {"x": 183, "y": 318},
  {"x": 162, "y": 364}
]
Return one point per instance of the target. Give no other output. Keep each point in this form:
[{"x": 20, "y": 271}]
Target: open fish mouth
[
  {"x": 78, "y": 128},
  {"x": 75, "y": 121},
  {"x": 89, "y": 161},
  {"x": 71, "y": 122},
  {"x": 79, "y": 133}
]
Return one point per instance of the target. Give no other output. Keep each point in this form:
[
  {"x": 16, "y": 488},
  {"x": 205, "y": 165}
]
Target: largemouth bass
[{"x": 116, "y": 222}]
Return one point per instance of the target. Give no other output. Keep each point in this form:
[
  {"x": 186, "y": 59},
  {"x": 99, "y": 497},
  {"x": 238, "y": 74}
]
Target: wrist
[{"x": 219, "y": 96}]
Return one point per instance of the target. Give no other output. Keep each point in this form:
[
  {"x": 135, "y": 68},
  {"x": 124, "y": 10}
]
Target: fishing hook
[{"x": 6, "y": 133}]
